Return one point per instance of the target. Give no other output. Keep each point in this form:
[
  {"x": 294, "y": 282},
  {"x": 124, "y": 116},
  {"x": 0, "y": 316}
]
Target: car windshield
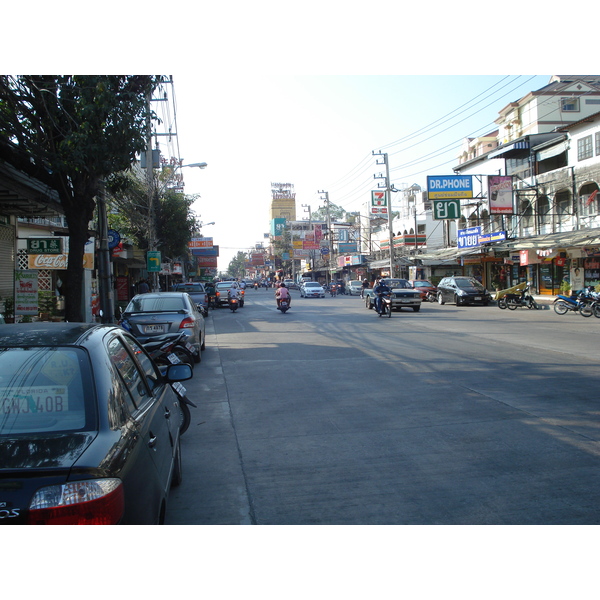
[
  {"x": 45, "y": 389},
  {"x": 468, "y": 283},
  {"x": 312, "y": 284},
  {"x": 422, "y": 284},
  {"x": 145, "y": 303},
  {"x": 397, "y": 283}
]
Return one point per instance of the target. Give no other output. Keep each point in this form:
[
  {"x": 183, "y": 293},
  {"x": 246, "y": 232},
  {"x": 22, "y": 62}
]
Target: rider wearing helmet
[{"x": 380, "y": 290}]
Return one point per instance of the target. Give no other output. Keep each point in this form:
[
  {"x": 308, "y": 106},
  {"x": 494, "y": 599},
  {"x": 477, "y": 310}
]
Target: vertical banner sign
[
  {"x": 26, "y": 292},
  {"x": 379, "y": 202},
  {"x": 153, "y": 261},
  {"x": 500, "y": 194}
]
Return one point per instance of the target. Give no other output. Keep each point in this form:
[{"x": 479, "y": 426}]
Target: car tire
[
  {"x": 203, "y": 344},
  {"x": 440, "y": 299},
  {"x": 416, "y": 308},
  {"x": 456, "y": 300}
]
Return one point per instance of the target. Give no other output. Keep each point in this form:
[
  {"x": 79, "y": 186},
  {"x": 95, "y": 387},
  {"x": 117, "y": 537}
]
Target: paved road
[{"x": 453, "y": 415}]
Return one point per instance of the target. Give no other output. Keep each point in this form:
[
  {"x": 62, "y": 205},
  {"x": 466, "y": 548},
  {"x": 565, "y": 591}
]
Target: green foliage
[
  {"x": 70, "y": 132},
  {"x": 237, "y": 266}
]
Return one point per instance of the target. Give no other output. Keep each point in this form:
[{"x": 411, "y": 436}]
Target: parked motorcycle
[
  {"x": 514, "y": 301},
  {"x": 581, "y": 302},
  {"x": 171, "y": 348},
  {"x": 184, "y": 403}
]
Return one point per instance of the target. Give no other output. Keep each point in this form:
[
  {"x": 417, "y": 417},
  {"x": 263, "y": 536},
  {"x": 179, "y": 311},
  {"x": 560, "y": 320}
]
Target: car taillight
[
  {"x": 89, "y": 502},
  {"x": 187, "y": 323},
  {"x": 217, "y": 294}
]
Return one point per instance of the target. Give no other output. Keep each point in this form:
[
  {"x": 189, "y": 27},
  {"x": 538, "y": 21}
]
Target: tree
[
  {"x": 174, "y": 221},
  {"x": 71, "y": 132},
  {"x": 237, "y": 265}
]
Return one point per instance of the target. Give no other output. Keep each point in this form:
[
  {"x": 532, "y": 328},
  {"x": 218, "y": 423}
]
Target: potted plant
[{"x": 565, "y": 288}]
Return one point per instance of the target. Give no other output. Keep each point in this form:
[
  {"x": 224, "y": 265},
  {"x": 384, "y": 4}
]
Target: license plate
[
  {"x": 173, "y": 359},
  {"x": 405, "y": 301},
  {"x": 477, "y": 297},
  {"x": 154, "y": 328}
]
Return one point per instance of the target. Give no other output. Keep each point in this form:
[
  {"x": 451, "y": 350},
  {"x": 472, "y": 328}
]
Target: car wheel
[
  {"x": 203, "y": 345},
  {"x": 456, "y": 300},
  {"x": 416, "y": 308},
  {"x": 440, "y": 299}
]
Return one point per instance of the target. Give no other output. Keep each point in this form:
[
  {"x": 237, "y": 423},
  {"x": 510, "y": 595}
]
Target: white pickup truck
[{"x": 404, "y": 295}]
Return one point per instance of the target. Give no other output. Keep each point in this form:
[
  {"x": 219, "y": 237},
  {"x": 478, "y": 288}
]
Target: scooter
[
  {"x": 581, "y": 303},
  {"x": 514, "y": 301},
  {"x": 233, "y": 303},
  {"x": 284, "y": 305},
  {"x": 386, "y": 307},
  {"x": 184, "y": 403},
  {"x": 171, "y": 348}
]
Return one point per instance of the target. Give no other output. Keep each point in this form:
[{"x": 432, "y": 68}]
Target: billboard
[
  {"x": 500, "y": 194},
  {"x": 446, "y": 187},
  {"x": 277, "y": 227}
]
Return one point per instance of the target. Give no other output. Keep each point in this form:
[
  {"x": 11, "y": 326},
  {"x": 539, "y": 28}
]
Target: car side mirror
[{"x": 178, "y": 372}]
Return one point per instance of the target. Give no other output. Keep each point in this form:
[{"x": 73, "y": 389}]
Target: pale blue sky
[{"x": 319, "y": 132}]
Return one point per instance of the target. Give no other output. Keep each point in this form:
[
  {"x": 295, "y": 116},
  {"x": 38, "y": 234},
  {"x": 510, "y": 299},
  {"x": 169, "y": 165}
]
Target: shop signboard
[
  {"x": 446, "y": 187},
  {"x": 446, "y": 209},
  {"x": 468, "y": 238},
  {"x": 26, "y": 292},
  {"x": 44, "y": 245},
  {"x": 500, "y": 194}
]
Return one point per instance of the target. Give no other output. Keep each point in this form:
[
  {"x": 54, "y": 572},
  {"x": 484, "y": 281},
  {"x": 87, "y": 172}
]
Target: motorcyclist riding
[
  {"x": 283, "y": 293},
  {"x": 380, "y": 290}
]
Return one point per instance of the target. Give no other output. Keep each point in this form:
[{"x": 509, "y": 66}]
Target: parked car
[
  {"x": 423, "y": 286},
  {"x": 157, "y": 313},
  {"x": 221, "y": 289},
  {"x": 311, "y": 289},
  {"x": 90, "y": 428},
  {"x": 462, "y": 290},
  {"x": 403, "y": 295},
  {"x": 354, "y": 287},
  {"x": 197, "y": 292}
]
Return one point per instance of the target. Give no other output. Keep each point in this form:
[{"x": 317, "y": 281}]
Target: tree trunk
[{"x": 79, "y": 210}]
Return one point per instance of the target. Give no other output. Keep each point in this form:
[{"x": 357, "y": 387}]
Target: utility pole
[
  {"x": 388, "y": 193},
  {"x": 150, "y": 182},
  {"x": 310, "y": 252},
  {"x": 329, "y": 235}
]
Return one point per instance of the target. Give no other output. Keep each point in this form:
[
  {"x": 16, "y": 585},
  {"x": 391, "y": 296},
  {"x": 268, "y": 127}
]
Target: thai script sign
[{"x": 449, "y": 186}]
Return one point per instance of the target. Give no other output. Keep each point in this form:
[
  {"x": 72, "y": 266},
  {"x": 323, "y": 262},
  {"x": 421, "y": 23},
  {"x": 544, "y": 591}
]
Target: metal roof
[{"x": 24, "y": 196}]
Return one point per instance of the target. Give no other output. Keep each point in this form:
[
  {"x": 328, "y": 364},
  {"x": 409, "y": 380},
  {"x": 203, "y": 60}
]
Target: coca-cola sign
[{"x": 56, "y": 261}]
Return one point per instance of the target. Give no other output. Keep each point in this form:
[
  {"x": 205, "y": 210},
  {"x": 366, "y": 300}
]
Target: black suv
[{"x": 462, "y": 290}]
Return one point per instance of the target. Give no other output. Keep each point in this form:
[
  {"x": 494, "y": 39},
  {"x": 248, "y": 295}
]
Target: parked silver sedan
[{"x": 158, "y": 313}]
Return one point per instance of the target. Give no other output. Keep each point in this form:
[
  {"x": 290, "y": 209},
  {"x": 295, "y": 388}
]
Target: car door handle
[
  {"x": 167, "y": 413},
  {"x": 152, "y": 440}
]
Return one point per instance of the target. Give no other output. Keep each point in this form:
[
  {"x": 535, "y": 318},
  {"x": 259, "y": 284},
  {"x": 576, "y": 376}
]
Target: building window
[
  {"x": 569, "y": 104},
  {"x": 584, "y": 148},
  {"x": 598, "y": 143}
]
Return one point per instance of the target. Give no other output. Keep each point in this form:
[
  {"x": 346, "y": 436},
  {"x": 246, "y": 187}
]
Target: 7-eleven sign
[
  {"x": 378, "y": 198},
  {"x": 379, "y": 202}
]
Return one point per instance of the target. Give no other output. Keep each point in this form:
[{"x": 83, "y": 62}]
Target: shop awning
[{"x": 506, "y": 149}]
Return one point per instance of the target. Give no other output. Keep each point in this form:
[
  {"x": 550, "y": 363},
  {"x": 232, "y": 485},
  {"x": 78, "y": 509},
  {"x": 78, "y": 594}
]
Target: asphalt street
[{"x": 452, "y": 415}]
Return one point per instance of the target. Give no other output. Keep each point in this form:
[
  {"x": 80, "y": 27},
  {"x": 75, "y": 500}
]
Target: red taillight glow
[
  {"x": 91, "y": 502},
  {"x": 187, "y": 323}
]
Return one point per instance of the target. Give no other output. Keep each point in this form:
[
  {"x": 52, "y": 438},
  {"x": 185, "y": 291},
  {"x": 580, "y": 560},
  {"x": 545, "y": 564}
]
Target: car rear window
[
  {"x": 156, "y": 303},
  {"x": 312, "y": 284},
  {"x": 190, "y": 287},
  {"x": 46, "y": 389}
]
